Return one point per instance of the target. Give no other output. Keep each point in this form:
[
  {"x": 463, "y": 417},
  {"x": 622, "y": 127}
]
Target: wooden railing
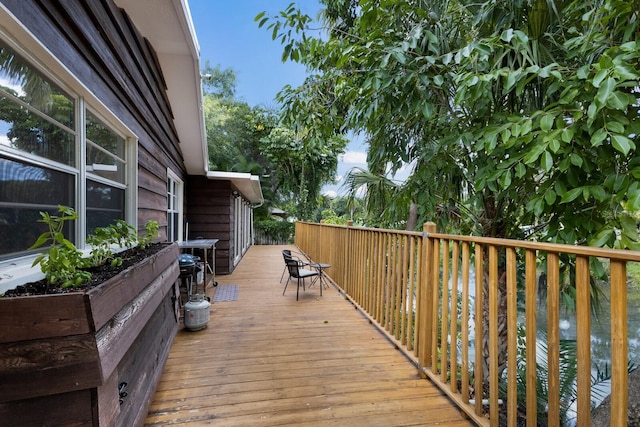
[{"x": 417, "y": 287}]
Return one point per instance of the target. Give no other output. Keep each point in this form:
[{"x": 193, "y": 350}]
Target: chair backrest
[
  {"x": 286, "y": 254},
  {"x": 293, "y": 267}
]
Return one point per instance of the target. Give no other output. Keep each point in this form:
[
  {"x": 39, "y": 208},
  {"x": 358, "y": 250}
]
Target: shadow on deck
[{"x": 266, "y": 359}]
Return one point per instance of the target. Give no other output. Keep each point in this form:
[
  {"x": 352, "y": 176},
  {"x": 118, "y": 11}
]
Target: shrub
[{"x": 281, "y": 231}]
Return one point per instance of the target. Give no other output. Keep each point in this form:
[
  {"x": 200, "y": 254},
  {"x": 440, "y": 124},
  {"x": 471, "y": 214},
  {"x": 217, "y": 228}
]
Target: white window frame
[
  {"x": 18, "y": 270},
  {"x": 178, "y": 199},
  {"x": 242, "y": 227}
]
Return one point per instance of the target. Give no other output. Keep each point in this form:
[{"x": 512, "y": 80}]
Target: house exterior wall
[
  {"x": 209, "y": 213},
  {"x": 100, "y": 46}
]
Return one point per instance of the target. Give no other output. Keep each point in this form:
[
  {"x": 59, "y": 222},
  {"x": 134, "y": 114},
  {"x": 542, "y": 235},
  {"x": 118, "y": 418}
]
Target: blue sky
[{"x": 229, "y": 37}]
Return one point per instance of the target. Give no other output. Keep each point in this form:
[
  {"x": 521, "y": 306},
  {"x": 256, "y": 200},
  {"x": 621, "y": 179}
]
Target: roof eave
[
  {"x": 248, "y": 185},
  {"x": 169, "y": 28}
]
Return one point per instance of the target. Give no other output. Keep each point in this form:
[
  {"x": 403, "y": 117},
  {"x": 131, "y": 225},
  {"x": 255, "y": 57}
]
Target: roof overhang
[
  {"x": 248, "y": 185},
  {"x": 168, "y": 26}
]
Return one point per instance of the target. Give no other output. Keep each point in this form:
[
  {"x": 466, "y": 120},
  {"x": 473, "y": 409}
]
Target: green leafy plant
[
  {"x": 62, "y": 262},
  {"x": 151, "y": 228},
  {"x": 274, "y": 229},
  {"x": 104, "y": 239}
]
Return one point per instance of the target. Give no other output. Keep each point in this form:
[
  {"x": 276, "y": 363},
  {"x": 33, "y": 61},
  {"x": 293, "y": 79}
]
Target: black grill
[{"x": 188, "y": 271}]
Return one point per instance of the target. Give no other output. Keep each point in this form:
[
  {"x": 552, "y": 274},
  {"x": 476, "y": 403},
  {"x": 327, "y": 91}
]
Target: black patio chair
[
  {"x": 298, "y": 273},
  {"x": 288, "y": 254}
]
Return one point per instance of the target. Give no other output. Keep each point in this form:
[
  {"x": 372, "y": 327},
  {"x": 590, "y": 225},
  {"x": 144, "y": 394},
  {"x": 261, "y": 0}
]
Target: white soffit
[
  {"x": 248, "y": 185},
  {"x": 168, "y": 26}
]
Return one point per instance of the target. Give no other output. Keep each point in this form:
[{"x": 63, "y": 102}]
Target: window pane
[
  {"x": 104, "y": 165},
  {"x": 23, "y": 91},
  {"x": 22, "y": 198},
  {"x": 102, "y": 136},
  {"x": 21, "y": 80},
  {"x": 105, "y": 204},
  {"x": 32, "y": 134},
  {"x": 172, "y": 227},
  {"x": 105, "y": 151}
]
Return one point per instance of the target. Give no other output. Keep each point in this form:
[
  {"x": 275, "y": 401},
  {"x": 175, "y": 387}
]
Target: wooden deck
[{"x": 267, "y": 359}]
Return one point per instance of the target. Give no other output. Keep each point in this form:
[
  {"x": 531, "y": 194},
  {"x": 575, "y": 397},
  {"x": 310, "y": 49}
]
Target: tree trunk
[{"x": 412, "y": 220}]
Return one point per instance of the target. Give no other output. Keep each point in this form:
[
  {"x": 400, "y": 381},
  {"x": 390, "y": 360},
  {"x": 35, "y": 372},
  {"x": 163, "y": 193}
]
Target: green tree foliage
[
  {"x": 304, "y": 164},
  {"x": 233, "y": 127},
  {"x": 514, "y": 113},
  {"x": 278, "y": 230},
  {"x": 218, "y": 82},
  {"x": 293, "y": 165},
  {"x": 381, "y": 197}
]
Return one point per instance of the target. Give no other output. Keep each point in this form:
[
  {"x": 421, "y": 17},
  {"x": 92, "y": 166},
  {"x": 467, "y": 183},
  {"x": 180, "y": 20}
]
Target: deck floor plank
[{"x": 269, "y": 360}]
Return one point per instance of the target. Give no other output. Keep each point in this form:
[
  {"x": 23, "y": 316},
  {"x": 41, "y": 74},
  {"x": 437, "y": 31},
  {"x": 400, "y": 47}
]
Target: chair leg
[
  {"x": 298, "y": 289},
  {"x": 283, "y": 271},
  {"x": 285, "y": 285}
]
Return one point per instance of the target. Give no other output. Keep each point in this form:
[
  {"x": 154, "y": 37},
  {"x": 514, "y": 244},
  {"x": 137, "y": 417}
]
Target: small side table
[{"x": 321, "y": 267}]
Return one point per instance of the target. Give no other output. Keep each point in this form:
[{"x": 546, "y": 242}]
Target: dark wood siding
[
  {"x": 210, "y": 216},
  {"x": 98, "y": 43}
]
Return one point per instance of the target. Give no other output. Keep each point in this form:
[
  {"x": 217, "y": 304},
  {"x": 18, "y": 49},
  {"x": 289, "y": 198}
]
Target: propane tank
[{"x": 196, "y": 312}]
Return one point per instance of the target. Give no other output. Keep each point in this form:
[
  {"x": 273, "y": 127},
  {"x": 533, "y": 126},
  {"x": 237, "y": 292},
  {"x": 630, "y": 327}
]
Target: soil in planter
[{"x": 98, "y": 274}]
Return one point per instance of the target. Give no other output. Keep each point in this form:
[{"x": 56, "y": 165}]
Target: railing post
[
  {"x": 346, "y": 285},
  {"x": 425, "y": 297}
]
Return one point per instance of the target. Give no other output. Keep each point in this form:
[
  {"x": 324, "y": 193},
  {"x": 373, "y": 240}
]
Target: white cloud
[
  {"x": 8, "y": 83},
  {"x": 330, "y": 193},
  {"x": 354, "y": 157},
  {"x": 403, "y": 172},
  {"x": 339, "y": 178}
]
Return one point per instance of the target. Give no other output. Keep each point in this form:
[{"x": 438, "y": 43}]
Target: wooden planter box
[{"x": 70, "y": 358}]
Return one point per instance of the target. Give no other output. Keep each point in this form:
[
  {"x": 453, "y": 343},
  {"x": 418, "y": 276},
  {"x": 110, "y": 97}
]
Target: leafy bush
[{"x": 277, "y": 230}]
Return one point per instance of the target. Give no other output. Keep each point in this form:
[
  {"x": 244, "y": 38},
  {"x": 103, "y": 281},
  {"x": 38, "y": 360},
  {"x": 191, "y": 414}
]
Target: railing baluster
[
  {"x": 395, "y": 302},
  {"x": 444, "y": 316},
  {"x": 512, "y": 337},
  {"x": 411, "y": 298},
  {"x": 434, "y": 310},
  {"x": 553, "y": 337},
  {"x": 478, "y": 375},
  {"x": 583, "y": 332},
  {"x": 454, "y": 316},
  {"x": 494, "y": 326},
  {"x": 372, "y": 265},
  {"x": 465, "y": 322},
  {"x": 530, "y": 328},
  {"x": 426, "y": 292},
  {"x": 388, "y": 297},
  {"x": 382, "y": 244},
  {"x": 405, "y": 288},
  {"x": 357, "y": 269},
  {"x": 619, "y": 344}
]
